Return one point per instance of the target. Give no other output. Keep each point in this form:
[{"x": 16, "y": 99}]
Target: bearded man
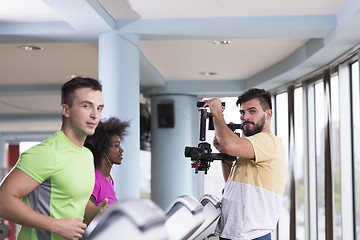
[{"x": 255, "y": 182}]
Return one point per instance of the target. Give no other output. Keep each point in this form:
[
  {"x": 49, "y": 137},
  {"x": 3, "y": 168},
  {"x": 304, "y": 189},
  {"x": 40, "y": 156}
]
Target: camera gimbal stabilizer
[{"x": 201, "y": 156}]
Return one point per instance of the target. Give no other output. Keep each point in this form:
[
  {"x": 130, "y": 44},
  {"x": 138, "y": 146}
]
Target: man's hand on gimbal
[{"x": 215, "y": 106}]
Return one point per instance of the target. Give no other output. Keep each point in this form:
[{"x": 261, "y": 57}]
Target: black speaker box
[{"x": 165, "y": 111}]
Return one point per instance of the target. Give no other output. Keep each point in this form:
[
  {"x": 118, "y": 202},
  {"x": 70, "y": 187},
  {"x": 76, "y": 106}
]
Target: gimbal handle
[{"x": 201, "y": 104}]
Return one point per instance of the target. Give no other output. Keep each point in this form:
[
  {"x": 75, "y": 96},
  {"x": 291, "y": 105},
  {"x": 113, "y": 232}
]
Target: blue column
[
  {"x": 3, "y": 170},
  {"x": 171, "y": 173},
  {"x": 119, "y": 74},
  {"x": 2, "y": 151}
]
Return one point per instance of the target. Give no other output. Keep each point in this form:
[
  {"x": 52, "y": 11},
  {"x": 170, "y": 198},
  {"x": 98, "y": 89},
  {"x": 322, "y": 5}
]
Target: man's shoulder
[
  {"x": 43, "y": 148},
  {"x": 266, "y": 138},
  {"x": 40, "y": 150},
  {"x": 263, "y": 135},
  {"x": 58, "y": 141}
]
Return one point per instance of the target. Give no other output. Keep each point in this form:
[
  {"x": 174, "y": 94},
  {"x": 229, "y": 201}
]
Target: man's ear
[
  {"x": 65, "y": 110},
  {"x": 268, "y": 114}
]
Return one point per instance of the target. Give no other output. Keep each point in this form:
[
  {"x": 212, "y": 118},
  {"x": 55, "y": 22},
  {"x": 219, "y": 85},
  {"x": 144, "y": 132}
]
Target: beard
[{"x": 249, "y": 130}]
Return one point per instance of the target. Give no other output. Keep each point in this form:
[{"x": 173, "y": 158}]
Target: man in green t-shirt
[{"x": 48, "y": 190}]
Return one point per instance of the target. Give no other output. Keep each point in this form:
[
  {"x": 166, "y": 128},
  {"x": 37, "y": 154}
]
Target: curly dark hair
[
  {"x": 255, "y": 93},
  {"x": 100, "y": 142}
]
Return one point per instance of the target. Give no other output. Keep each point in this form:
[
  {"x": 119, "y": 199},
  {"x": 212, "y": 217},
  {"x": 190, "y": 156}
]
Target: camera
[{"x": 201, "y": 156}]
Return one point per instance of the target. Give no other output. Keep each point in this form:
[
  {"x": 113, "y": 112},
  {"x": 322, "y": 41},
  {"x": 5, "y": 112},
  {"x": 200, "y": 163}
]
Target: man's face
[
  {"x": 252, "y": 117},
  {"x": 85, "y": 112}
]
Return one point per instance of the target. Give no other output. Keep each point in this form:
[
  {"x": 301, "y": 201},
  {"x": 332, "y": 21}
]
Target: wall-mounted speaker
[{"x": 165, "y": 112}]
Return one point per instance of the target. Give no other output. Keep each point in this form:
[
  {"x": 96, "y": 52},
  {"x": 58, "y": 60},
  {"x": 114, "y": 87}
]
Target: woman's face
[{"x": 115, "y": 151}]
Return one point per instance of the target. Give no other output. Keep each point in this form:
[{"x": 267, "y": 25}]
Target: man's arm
[
  {"x": 226, "y": 168},
  {"x": 225, "y": 165},
  {"x": 229, "y": 142},
  {"x": 18, "y": 184}
]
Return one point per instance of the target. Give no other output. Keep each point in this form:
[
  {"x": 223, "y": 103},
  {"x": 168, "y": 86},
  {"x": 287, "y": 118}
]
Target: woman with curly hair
[{"x": 105, "y": 146}]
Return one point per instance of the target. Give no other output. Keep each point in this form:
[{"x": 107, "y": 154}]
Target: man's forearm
[
  {"x": 226, "y": 168},
  {"x": 15, "y": 210},
  {"x": 231, "y": 143},
  {"x": 224, "y": 135}
]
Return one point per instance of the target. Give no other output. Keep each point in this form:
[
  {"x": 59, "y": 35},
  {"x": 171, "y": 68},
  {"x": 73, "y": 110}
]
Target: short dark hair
[
  {"x": 100, "y": 142},
  {"x": 70, "y": 86},
  {"x": 255, "y": 93}
]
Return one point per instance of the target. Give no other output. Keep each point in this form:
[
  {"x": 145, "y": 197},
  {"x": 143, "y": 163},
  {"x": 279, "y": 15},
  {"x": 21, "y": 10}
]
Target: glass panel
[
  {"x": 335, "y": 155},
  {"x": 213, "y": 182},
  {"x": 320, "y": 169},
  {"x": 23, "y": 146},
  {"x": 356, "y": 141},
  {"x": 299, "y": 163},
  {"x": 282, "y": 131}
]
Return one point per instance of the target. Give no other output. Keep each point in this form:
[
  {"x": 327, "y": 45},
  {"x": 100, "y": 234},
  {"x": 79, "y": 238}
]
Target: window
[
  {"x": 23, "y": 146},
  {"x": 320, "y": 159},
  {"x": 282, "y": 131},
  {"x": 356, "y": 142},
  {"x": 299, "y": 163},
  {"x": 335, "y": 155}
]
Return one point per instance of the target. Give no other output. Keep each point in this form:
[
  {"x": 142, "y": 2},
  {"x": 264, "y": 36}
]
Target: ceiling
[{"x": 271, "y": 43}]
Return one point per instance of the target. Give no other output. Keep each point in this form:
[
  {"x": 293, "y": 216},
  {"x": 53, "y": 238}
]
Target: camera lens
[{"x": 188, "y": 151}]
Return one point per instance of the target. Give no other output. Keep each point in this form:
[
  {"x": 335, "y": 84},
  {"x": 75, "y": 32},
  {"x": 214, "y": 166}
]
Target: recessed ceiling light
[
  {"x": 74, "y": 76},
  {"x": 220, "y": 42},
  {"x": 31, "y": 48},
  {"x": 71, "y": 76},
  {"x": 208, "y": 73}
]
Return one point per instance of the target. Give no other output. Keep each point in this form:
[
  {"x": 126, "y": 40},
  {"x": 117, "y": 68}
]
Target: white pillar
[
  {"x": 171, "y": 172},
  {"x": 119, "y": 74}
]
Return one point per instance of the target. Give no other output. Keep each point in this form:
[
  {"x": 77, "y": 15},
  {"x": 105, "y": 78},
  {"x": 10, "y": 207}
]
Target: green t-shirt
[{"x": 66, "y": 176}]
